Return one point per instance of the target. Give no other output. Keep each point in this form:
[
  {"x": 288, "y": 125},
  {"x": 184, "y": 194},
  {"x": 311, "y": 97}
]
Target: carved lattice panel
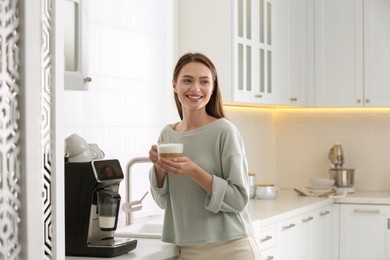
[
  {"x": 10, "y": 242},
  {"x": 46, "y": 107}
]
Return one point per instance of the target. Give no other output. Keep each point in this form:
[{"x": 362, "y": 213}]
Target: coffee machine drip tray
[{"x": 112, "y": 246}]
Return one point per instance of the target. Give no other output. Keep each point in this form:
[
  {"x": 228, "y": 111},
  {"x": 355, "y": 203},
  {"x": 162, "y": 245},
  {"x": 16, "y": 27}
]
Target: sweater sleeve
[
  {"x": 230, "y": 191},
  {"x": 159, "y": 194}
]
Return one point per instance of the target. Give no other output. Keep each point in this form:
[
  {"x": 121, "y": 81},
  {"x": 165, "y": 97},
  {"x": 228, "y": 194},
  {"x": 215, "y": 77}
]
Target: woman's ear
[{"x": 174, "y": 86}]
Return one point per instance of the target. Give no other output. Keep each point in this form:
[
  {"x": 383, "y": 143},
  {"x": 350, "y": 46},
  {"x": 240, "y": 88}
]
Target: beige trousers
[{"x": 244, "y": 248}]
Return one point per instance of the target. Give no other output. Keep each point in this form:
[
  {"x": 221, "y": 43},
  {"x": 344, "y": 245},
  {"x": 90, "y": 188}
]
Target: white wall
[{"x": 131, "y": 53}]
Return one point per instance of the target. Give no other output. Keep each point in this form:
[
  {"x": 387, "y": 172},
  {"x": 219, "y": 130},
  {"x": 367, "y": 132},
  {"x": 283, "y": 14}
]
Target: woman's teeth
[{"x": 195, "y": 97}]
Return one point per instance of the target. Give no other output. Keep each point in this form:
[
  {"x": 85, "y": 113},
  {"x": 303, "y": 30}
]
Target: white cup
[
  {"x": 85, "y": 156},
  {"x": 74, "y": 145},
  {"x": 97, "y": 153},
  {"x": 169, "y": 150}
]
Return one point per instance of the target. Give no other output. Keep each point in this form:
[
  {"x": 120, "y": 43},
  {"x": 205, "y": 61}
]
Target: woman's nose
[{"x": 195, "y": 88}]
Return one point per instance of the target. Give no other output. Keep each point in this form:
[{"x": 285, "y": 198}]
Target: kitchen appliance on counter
[
  {"x": 78, "y": 150},
  {"x": 344, "y": 178},
  {"x": 91, "y": 209}
]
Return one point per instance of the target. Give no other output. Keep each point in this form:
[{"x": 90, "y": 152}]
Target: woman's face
[{"x": 194, "y": 86}]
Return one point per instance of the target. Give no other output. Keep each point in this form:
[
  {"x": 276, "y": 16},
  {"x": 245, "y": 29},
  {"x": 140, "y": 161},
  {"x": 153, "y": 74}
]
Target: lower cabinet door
[
  {"x": 364, "y": 231},
  {"x": 322, "y": 234},
  {"x": 288, "y": 239},
  {"x": 269, "y": 254}
]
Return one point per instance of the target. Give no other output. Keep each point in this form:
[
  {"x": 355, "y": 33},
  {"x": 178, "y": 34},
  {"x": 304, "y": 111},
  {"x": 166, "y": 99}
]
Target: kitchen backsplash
[
  {"x": 304, "y": 137},
  {"x": 297, "y": 141}
]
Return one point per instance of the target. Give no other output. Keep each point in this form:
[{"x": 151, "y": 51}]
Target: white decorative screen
[
  {"x": 10, "y": 242},
  {"x": 46, "y": 93},
  {"x": 10, "y": 168}
]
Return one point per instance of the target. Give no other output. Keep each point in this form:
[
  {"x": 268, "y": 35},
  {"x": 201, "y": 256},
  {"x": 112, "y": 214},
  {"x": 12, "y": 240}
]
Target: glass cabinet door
[
  {"x": 253, "y": 50},
  {"x": 75, "y": 45}
]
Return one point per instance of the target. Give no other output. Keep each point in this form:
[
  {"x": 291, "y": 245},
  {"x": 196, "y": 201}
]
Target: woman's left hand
[
  {"x": 183, "y": 166},
  {"x": 180, "y": 166}
]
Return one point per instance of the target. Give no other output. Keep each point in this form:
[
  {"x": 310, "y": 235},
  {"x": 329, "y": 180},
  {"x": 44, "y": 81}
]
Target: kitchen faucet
[{"x": 136, "y": 205}]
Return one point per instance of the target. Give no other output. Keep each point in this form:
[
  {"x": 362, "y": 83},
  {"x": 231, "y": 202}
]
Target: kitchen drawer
[
  {"x": 267, "y": 237},
  {"x": 268, "y": 254}
]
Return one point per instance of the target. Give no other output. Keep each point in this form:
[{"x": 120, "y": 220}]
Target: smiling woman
[{"x": 208, "y": 185}]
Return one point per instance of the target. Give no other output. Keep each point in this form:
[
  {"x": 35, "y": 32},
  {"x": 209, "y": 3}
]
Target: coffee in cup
[{"x": 169, "y": 150}]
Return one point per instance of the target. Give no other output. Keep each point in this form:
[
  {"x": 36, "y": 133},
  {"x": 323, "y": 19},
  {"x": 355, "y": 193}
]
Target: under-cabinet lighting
[{"x": 308, "y": 109}]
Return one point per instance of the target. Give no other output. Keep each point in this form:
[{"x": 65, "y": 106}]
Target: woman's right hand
[
  {"x": 160, "y": 173},
  {"x": 153, "y": 155}
]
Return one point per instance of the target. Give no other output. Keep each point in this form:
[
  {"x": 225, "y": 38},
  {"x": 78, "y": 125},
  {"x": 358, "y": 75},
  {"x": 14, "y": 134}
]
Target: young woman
[{"x": 204, "y": 192}]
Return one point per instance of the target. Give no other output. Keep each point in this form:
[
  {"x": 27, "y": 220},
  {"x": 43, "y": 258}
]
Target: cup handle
[{"x": 94, "y": 153}]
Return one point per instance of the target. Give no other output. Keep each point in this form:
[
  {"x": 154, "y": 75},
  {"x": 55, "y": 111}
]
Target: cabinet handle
[
  {"x": 87, "y": 79},
  {"x": 265, "y": 239},
  {"x": 258, "y": 96},
  {"x": 374, "y": 211},
  {"x": 307, "y": 219},
  {"x": 324, "y": 213},
  {"x": 359, "y": 100},
  {"x": 367, "y": 100},
  {"x": 269, "y": 258},
  {"x": 388, "y": 223},
  {"x": 293, "y": 99},
  {"x": 288, "y": 226}
]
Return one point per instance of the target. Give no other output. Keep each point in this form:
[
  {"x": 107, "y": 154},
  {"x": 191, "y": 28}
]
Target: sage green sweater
[{"x": 192, "y": 216}]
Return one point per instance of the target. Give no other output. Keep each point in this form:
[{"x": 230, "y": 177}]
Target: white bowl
[
  {"x": 321, "y": 182},
  {"x": 266, "y": 192}
]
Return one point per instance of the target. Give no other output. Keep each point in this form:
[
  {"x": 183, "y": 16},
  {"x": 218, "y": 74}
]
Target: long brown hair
[{"x": 214, "y": 106}]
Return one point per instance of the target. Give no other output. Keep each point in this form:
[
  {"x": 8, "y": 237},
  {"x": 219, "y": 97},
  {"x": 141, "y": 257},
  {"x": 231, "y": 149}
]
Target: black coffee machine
[{"x": 91, "y": 209}]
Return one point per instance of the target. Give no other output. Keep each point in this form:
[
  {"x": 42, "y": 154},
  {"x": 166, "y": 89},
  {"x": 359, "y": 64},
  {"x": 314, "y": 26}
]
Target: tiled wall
[
  {"x": 288, "y": 146},
  {"x": 304, "y": 137},
  {"x": 256, "y": 126}
]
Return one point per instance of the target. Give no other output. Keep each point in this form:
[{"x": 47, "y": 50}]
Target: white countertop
[
  {"x": 286, "y": 204},
  {"x": 366, "y": 197},
  {"x": 150, "y": 249}
]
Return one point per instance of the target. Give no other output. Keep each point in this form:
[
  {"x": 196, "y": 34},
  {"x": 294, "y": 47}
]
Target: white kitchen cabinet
[
  {"x": 269, "y": 254},
  {"x": 351, "y": 54},
  {"x": 258, "y": 47},
  {"x": 290, "y": 60},
  {"x": 75, "y": 45},
  {"x": 377, "y": 52},
  {"x": 287, "y": 235},
  {"x": 323, "y": 234},
  {"x": 307, "y": 236},
  {"x": 364, "y": 231},
  {"x": 266, "y": 240}
]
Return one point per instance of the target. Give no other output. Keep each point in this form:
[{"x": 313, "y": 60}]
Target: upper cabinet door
[
  {"x": 352, "y": 53},
  {"x": 338, "y": 44},
  {"x": 290, "y": 67},
  {"x": 377, "y": 52},
  {"x": 253, "y": 28},
  {"x": 270, "y": 52},
  {"x": 75, "y": 45}
]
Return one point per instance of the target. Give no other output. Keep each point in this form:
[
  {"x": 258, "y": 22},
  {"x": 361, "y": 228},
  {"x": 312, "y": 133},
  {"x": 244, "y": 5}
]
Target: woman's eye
[
  {"x": 205, "y": 82},
  {"x": 186, "y": 81}
]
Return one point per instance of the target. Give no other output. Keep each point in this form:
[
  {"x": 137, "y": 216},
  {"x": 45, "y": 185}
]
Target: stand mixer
[{"x": 344, "y": 178}]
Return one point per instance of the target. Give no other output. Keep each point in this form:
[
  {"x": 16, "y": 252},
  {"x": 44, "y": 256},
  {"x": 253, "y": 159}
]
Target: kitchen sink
[{"x": 141, "y": 230}]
